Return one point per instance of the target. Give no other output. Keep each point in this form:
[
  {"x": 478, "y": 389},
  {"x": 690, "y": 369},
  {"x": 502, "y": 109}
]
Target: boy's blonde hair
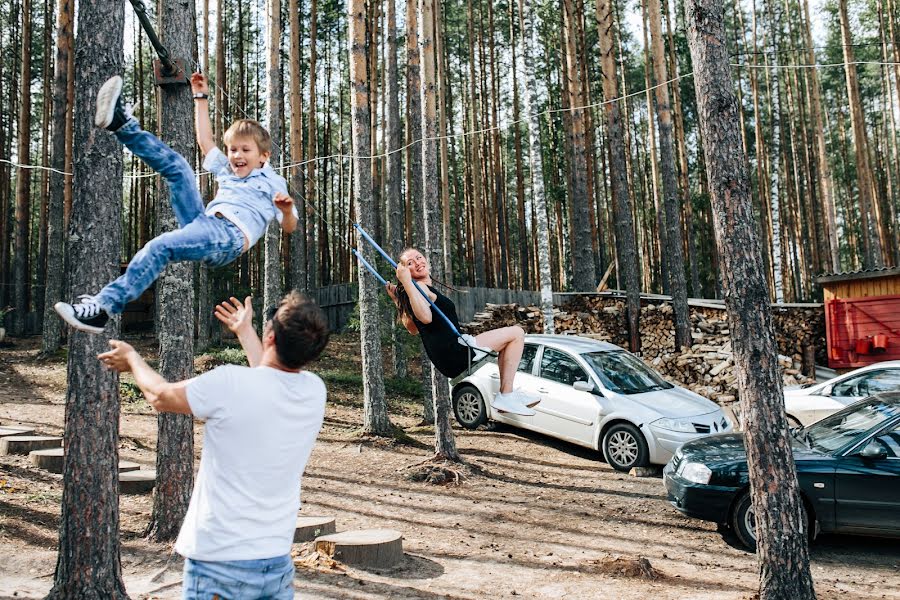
[{"x": 248, "y": 128}]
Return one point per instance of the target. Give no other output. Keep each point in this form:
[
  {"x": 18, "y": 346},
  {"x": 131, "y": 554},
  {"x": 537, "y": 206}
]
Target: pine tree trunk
[
  {"x": 475, "y": 157},
  {"x": 781, "y": 540},
  {"x": 21, "y": 263},
  {"x": 88, "y": 564},
  {"x": 674, "y": 239},
  {"x": 44, "y": 192},
  {"x": 625, "y": 244},
  {"x": 299, "y": 277},
  {"x": 523, "y": 270},
  {"x": 444, "y": 441},
  {"x": 273, "y": 289},
  {"x": 873, "y": 244},
  {"x": 375, "y": 417},
  {"x": 529, "y": 43},
  {"x": 55, "y": 282},
  {"x": 442, "y": 132},
  {"x": 174, "y": 296},
  {"x": 311, "y": 153},
  {"x": 201, "y": 271},
  {"x": 394, "y": 172},
  {"x": 416, "y": 218}
]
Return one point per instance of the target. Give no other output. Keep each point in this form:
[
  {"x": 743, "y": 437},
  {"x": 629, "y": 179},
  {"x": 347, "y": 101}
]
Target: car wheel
[
  {"x": 793, "y": 422},
  {"x": 625, "y": 447},
  {"x": 469, "y": 407},
  {"x": 743, "y": 521}
]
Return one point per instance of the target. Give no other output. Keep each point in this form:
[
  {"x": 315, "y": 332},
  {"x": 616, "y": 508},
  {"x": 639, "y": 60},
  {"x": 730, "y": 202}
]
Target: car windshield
[
  {"x": 841, "y": 428},
  {"x": 624, "y": 373}
]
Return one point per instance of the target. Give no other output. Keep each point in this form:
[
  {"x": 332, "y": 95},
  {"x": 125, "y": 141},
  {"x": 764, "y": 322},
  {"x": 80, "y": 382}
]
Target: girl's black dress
[{"x": 441, "y": 344}]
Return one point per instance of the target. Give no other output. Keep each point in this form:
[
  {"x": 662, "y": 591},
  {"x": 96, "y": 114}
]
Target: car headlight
[
  {"x": 680, "y": 425},
  {"x": 695, "y": 472}
]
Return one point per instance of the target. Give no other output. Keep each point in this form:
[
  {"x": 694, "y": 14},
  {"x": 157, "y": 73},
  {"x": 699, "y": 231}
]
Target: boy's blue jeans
[
  {"x": 200, "y": 237},
  {"x": 264, "y": 579}
]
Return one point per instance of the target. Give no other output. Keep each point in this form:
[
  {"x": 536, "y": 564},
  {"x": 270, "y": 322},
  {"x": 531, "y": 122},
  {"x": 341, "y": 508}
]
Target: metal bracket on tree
[{"x": 166, "y": 70}]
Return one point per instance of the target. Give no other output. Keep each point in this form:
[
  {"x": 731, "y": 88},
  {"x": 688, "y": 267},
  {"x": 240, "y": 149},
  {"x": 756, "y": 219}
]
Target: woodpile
[{"x": 706, "y": 368}]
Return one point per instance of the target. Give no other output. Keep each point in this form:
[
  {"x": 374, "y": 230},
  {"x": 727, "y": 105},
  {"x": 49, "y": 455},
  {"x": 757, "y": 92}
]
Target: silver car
[{"x": 596, "y": 395}]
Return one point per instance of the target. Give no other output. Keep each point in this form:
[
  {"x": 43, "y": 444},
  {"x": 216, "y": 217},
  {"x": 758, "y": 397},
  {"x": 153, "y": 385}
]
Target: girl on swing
[{"x": 445, "y": 349}]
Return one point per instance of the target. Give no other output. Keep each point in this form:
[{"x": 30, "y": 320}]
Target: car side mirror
[
  {"x": 586, "y": 386},
  {"x": 826, "y": 391},
  {"x": 873, "y": 451}
]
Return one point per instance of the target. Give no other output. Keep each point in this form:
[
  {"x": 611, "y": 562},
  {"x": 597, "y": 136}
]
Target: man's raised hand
[
  {"x": 235, "y": 315},
  {"x": 118, "y": 358}
]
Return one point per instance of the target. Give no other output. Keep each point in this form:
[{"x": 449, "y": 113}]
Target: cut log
[
  {"x": 23, "y": 444},
  {"x": 15, "y": 430},
  {"x": 137, "y": 482},
  {"x": 50, "y": 459},
  {"x": 128, "y": 466},
  {"x": 309, "y": 528},
  {"x": 373, "y": 548}
]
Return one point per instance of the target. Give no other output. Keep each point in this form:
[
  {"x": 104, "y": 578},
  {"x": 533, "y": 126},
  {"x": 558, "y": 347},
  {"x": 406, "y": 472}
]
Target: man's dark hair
[{"x": 301, "y": 331}]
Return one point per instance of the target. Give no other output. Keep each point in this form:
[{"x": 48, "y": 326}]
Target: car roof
[{"x": 572, "y": 343}]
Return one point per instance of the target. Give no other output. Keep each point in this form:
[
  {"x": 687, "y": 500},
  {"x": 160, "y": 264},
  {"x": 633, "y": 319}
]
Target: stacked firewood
[{"x": 707, "y": 367}]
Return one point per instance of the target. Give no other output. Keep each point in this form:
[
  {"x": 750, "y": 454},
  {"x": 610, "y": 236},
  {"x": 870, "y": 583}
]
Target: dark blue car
[{"x": 848, "y": 466}]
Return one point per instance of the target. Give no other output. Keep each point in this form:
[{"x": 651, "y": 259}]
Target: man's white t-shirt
[{"x": 261, "y": 424}]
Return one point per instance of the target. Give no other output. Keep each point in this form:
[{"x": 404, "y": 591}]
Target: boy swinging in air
[{"x": 250, "y": 195}]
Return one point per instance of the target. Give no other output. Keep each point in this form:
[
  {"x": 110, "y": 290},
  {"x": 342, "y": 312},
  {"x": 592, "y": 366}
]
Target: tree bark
[
  {"x": 529, "y": 42},
  {"x": 628, "y": 271},
  {"x": 273, "y": 289},
  {"x": 88, "y": 564},
  {"x": 674, "y": 228},
  {"x": 375, "y": 417},
  {"x": 781, "y": 536},
  {"x": 174, "y": 295},
  {"x": 299, "y": 277},
  {"x": 444, "y": 441},
  {"x": 415, "y": 218},
  {"x": 23, "y": 181},
  {"x": 873, "y": 244},
  {"x": 475, "y": 157},
  {"x": 55, "y": 282},
  {"x": 312, "y": 153}
]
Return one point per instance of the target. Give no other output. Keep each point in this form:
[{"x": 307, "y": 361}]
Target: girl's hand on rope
[
  {"x": 392, "y": 291},
  {"x": 236, "y": 316},
  {"x": 118, "y": 359},
  {"x": 283, "y": 202},
  {"x": 403, "y": 274},
  {"x": 199, "y": 84}
]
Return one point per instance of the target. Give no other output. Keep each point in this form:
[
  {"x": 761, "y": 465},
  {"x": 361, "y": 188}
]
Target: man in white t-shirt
[{"x": 261, "y": 424}]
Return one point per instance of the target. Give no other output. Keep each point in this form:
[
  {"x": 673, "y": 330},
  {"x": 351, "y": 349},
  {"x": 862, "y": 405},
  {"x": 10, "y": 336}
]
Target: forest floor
[{"x": 544, "y": 519}]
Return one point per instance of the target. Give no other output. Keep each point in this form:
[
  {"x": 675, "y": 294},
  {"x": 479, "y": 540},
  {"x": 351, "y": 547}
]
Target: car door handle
[
  {"x": 543, "y": 390},
  {"x": 495, "y": 376}
]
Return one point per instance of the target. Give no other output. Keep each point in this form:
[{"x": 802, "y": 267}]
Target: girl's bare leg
[{"x": 509, "y": 342}]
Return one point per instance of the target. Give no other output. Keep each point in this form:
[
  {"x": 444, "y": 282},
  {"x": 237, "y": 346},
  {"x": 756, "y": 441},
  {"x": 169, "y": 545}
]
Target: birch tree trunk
[
  {"x": 174, "y": 295},
  {"x": 674, "y": 228},
  {"x": 444, "y": 441},
  {"x": 375, "y": 417},
  {"x": 273, "y": 290},
  {"x": 88, "y": 564},
  {"x": 23, "y": 181},
  {"x": 625, "y": 244},
  {"x": 529, "y": 43},
  {"x": 55, "y": 282},
  {"x": 781, "y": 534}
]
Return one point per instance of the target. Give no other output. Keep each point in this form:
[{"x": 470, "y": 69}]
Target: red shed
[{"x": 862, "y": 317}]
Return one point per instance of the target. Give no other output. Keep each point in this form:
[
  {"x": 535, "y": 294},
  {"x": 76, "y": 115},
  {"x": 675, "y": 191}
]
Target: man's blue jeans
[
  {"x": 200, "y": 237},
  {"x": 264, "y": 579}
]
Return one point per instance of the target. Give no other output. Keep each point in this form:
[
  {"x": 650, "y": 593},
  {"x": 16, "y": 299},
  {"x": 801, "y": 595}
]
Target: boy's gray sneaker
[
  {"x": 85, "y": 314},
  {"x": 111, "y": 113}
]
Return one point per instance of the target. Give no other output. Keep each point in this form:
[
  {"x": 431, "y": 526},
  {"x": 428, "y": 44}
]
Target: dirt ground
[{"x": 545, "y": 519}]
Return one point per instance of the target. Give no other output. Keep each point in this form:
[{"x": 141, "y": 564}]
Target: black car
[{"x": 848, "y": 466}]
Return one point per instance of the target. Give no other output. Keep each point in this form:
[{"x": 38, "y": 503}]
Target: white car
[
  {"x": 596, "y": 395},
  {"x": 805, "y": 405}
]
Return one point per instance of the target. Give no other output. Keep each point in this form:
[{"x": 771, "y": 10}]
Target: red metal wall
[{"x": 853, "y": 323}]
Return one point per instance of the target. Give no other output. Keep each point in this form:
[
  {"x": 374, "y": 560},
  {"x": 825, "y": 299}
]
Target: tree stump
[
  {"x": 137, "y": 482},
  {"x": 374, "y": 548},
  {"x": 50, "y": 459},
  {"x": 7, "y": 430},
  {"x": 23, "y": 444},
  {"x": 126, "y": 466},
  {"x": 309, "y": 528}
]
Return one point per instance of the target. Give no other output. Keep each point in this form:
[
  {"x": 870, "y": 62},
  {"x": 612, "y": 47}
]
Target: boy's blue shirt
[{"x": 247, "y": 202}]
